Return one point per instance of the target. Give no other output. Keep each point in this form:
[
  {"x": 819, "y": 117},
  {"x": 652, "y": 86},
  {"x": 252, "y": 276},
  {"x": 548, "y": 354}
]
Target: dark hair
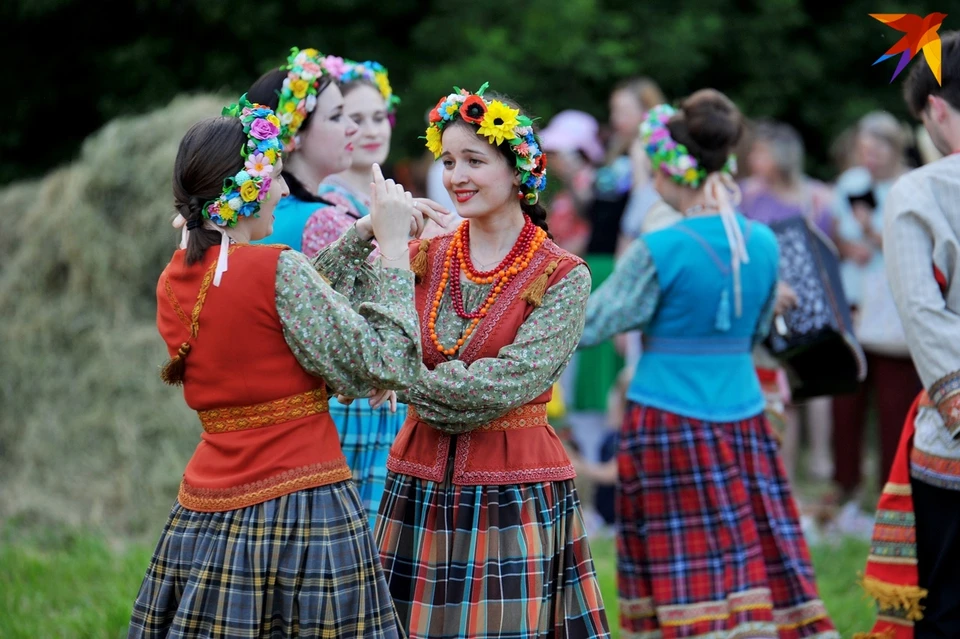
[
  {"x": 536, "y": 212},
  {"x": 920, "y": 83},
  {"x": 208, "y": 154},
  {"x": 266, "y": 90},
  {"x": 709, "y": 124}
]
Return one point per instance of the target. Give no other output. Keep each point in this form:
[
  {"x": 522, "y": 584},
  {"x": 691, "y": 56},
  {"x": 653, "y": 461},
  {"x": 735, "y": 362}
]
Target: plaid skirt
[
  {"x": 366, "y": 436},
  {"x": 506, "y": 561},
  {"x": 301, "y": 565},
  {"x": 708, "y": 536}
]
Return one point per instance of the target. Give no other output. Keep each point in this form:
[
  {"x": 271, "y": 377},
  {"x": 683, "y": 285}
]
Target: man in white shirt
[{"x": 919, "y": 511}]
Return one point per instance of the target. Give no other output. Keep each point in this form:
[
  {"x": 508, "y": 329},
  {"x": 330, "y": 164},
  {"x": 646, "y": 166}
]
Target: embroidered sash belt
[
  {"x": 278, "y": 411},
  {"x": 526, "y": 416}
]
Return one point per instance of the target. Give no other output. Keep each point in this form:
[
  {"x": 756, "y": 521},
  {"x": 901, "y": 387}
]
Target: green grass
[
  {"x": 67, "y": 586},
  {"x": 75, "y": 586}
]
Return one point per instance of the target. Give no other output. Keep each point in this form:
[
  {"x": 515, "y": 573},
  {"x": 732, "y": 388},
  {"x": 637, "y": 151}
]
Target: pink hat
[{"x": 572, "y": 130}]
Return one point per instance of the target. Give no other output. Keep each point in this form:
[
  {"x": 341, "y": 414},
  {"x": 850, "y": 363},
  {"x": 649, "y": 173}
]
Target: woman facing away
[
  {"x": 268, "y": 536},
  {"x": 320, "y": 150},
  {"x": 708, "y": 537},
  {"x": 480, "y": 529},
  {"x": 778, "y": 190}
]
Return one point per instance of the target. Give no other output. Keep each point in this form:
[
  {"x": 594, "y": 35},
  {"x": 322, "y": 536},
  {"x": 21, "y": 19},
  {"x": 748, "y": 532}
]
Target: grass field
[{"x": 75, "y": 586}]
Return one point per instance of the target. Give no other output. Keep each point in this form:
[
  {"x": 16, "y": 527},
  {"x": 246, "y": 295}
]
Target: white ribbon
[
  {"x": 722, "y": 193},
  {"x": 180, "y": 222}
]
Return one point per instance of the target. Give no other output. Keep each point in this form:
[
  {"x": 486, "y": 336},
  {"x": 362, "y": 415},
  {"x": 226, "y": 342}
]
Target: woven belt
[
  {"x": 234, "y": 418},
  {"x": 696, "y": 345},
  {"x": 526, "y": 416}
]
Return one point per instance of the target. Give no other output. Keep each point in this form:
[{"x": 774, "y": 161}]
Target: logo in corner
[{"x": 921, "y": 35}]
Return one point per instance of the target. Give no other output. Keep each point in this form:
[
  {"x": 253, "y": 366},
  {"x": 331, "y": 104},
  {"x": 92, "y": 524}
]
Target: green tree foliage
[{"x": 807, "y": 63}]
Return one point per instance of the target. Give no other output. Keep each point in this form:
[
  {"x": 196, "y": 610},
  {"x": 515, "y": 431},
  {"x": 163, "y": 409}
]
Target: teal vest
[{"x": 697, "y": 359}]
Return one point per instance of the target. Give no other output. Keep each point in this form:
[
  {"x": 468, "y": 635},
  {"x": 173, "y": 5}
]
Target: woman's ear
[{"x": 516, "y": 179}]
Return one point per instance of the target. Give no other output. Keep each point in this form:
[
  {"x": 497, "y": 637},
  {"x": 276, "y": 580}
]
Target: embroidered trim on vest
[
  {"x": 278, "y": 411},
  {"x": 431, "y": 473},
  {"x": 221, "y": 499},
  {"x": 461, "y": 475}
]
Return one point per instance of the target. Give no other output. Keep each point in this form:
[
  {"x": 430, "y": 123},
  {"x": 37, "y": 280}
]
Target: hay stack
[{"x": 89, "y": 435}]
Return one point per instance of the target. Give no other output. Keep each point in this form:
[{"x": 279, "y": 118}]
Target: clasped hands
[{"x": 396, "y": 217}]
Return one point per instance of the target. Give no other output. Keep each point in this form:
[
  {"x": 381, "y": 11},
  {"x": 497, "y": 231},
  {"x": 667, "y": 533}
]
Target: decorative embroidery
[
  {"x": 547, "y": 251},
  {"x": 526, "y": 416},
  {"x": 943, "y": 472},
  {"x": 637, "y": 608},
  {"x": 894, "y": 538},
  {"x": 802, "y": 615},
  {"x": 558, "y": 472},
  {"x": 945, "y": 393},
  {"x": 755, "y": 599},
  {"x": 194, "y": 324},
  {"x": 234, "y": 418},
  {"x": 405, "y": 467},
  {"x": 221, "y": 499}
]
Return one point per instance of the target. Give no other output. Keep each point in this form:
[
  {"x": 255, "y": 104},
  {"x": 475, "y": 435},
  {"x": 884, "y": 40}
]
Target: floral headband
[
  {"x": 298, "y": 96},
  {"x": 243, "y": 192},
  {"x": 671, "y": 157},
  {"x": 371, "y": 71},
  {"x": 497, "y": 122}
]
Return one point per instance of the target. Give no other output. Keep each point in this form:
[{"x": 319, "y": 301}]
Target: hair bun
[{"x": 713, "y": 121}]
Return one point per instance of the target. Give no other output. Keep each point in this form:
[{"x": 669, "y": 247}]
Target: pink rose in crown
[
  {"x": 264, "y": 129},
  {"x": 264, "y": 188},
  {"x": 312, "y": 69}
]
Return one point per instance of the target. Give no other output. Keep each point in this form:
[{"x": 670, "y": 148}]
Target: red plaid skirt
[{"x": 709, "y": 541}]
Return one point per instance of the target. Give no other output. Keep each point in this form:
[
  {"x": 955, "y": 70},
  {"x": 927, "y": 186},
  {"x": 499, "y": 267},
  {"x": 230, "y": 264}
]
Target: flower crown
[
  {"x": 671, "y": 157},
  {"x": 497, "y": 122},
  {"x": 373, "y": 72},
  {"x": 298, "y": 95},
  {"x": 243, "y": 192}
]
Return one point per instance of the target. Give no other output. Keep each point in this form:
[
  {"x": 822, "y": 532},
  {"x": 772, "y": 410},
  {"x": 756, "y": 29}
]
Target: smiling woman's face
[
  {"x": 475, "y": 173},
  {"x": 364, "y": 105}
]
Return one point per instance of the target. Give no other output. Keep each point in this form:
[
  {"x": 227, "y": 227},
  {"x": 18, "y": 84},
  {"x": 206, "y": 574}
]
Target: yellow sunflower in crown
[
  {"x": 433, "y": 142},
  {"x": 499, "y": 122}
]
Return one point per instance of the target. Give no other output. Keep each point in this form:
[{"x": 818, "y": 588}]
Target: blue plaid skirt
[
  {"x": 506, "y": 561},
  {"x": 366, "y": 436},
  {"x": 301, "y": 565}
]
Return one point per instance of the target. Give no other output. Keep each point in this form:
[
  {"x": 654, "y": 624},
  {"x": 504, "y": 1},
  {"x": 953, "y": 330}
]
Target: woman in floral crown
[
  {"x": 369, "y": 101},
  {"x": 317, "y": 132},
  {"x": 708, "y": 541},
  {"x": 268, "y": 536},
  {"x": 317, "y": 138},
  {"x": 480, "y": 530}
]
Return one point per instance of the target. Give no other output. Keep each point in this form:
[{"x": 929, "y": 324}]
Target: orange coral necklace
[{"x": 457, "y": 260}]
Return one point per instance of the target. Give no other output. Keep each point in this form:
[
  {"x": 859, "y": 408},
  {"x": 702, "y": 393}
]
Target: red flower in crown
[
  {"x": 435, "y": 113},
  {"x": 541, "y": 164},
  {"x": 473, "y": 109}
]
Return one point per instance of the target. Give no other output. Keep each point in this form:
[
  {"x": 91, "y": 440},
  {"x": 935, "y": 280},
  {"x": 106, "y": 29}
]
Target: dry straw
[{"x": 89, "y": 435}]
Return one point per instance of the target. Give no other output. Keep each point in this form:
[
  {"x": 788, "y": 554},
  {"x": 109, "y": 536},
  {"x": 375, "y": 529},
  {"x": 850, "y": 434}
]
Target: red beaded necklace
[{"x": 457, "y": 260}]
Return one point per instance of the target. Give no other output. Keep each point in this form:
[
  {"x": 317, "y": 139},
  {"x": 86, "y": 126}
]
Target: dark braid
[{"x": 538, "y": 215}]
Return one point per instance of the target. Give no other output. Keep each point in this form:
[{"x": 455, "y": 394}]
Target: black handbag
[{"x": 814, "y": 341}]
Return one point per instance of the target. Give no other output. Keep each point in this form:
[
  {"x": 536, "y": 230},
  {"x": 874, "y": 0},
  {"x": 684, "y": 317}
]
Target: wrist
[
  {"x": 394, "y": 251},
  {"x": 364, "y": 228}
]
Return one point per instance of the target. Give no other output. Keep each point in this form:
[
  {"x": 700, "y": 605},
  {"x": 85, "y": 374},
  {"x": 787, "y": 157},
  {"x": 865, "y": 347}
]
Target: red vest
[
  {"x": 267, "y": 431},
  {"x": 520, "y": 447}
]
